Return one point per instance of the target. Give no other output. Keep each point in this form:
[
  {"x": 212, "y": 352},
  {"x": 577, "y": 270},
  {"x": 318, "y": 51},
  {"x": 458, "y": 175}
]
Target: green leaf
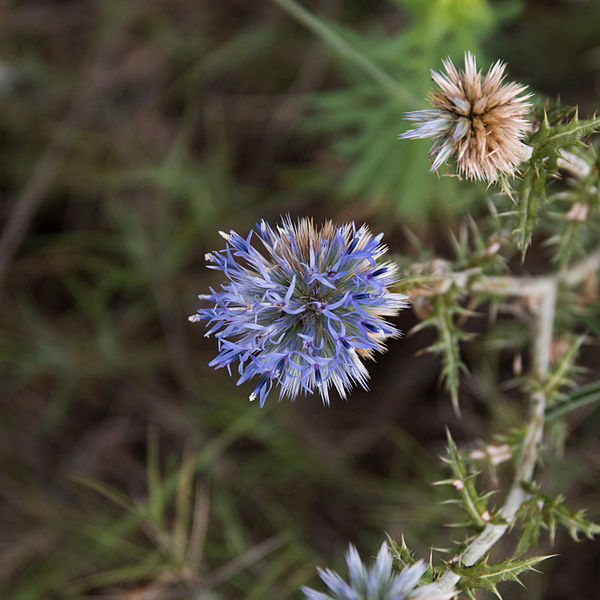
[
  {"x": 547, "y": 512},
  {"x": 482, "y": 575},
  {"x": 401, "y": 552},
  {"x": 550, "y": 139},
  {"x": 444, "y": 309},
  {"x": 463, "y": 481},
  {"x": 183, "y": 506},
  {"x": 561, "y": 374},
  {"x": 155, "y": 502},
  {"x": 448, "y": 344}
]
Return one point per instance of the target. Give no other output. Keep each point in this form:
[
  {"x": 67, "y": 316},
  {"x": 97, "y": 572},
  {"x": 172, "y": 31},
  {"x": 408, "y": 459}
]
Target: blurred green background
[{"x": 130, "y": 133}]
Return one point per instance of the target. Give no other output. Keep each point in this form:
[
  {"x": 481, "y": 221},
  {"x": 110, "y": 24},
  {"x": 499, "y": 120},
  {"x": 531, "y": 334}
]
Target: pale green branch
[{"x": 543, "y": 290}]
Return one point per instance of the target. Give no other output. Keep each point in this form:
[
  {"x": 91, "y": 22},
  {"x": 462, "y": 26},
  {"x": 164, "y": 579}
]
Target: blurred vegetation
[{"x": 130, "y": 133}]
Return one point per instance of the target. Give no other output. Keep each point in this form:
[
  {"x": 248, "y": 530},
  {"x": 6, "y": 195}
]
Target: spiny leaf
[
  {"x": 444, "y": 308},
  {"x": 547, "y": 143},
  {"x": 551, "y": 138},
  {"x": 548, "y": 512},
  {"x": 414, "y": 281},
  {"x": 532, "y": 523},
  {"x": 567, "y": 243},
  {"x": 531, "y": 189},
  {"x": 473, "y": 503},
  {"x": 560, "y": 376},
  {"x": 472, "y": 246},
  {"x": 505, "y": 186},
  {"x": 404, "y": 557},
  {"x": 574, "y": 522},
  {"x": 482, "y": 575},
  {"x": 401, "y": 552}
]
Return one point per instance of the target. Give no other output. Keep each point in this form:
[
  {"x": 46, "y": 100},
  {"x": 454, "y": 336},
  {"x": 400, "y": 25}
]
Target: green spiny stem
[
  {"x": 449, "y": 344},
  {"x": 467, "y": 491}
]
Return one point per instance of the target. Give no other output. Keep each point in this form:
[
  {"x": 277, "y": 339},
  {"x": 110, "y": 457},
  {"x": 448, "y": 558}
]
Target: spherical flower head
[
  {"x": 302, "y": 309},
  {"x": 479, "y": 121},
  {"x": 379, "y": 582}
]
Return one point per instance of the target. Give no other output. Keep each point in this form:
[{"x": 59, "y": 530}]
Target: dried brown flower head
[{"x": 479, "y": 121}]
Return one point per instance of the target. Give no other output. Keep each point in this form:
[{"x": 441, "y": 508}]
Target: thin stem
[{"x": 340, "y": 45}]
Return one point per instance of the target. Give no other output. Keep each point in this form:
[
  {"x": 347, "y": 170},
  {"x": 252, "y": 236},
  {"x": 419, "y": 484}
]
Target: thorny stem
[
  {"x": 543, "y": 290},
  {"x": 340, "y": 45}
]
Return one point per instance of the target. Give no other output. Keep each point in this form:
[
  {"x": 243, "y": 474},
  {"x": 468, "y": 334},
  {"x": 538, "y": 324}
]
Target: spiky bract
[
  {"x": 379, "y": 582},
  {"x": 303, "y": 310},
  {"x": 478, "y": 121}
]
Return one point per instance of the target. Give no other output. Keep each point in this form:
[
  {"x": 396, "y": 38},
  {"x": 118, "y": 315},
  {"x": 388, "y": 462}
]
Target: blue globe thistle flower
[
  {"x": 303, "y": 309},
  {"x": 377, "y": 583}
]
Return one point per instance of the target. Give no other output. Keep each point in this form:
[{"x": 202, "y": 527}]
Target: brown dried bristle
[{"x": 477, "y": 120}]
